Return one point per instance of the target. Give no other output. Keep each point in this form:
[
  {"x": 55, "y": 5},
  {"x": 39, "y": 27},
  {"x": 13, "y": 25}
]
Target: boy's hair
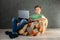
[{"x": 37, "y": 6}]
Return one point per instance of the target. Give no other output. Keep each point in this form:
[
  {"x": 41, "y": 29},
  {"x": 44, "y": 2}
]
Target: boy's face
[{"x": 38, "y": 10}]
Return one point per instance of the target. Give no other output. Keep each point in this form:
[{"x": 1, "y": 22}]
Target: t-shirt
[{"x": 36, "y": 16}]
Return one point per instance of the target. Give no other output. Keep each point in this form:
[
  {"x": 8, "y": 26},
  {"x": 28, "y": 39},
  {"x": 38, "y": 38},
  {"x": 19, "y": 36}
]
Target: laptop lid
[{"x": 23, "y": 14}]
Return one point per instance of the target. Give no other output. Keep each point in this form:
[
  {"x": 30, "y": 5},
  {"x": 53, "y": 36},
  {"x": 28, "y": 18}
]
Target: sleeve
[{"x": 32, "y": 16}]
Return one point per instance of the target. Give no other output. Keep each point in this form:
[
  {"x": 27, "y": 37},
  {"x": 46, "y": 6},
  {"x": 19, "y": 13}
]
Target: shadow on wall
[{"x": 9, "y": 8}]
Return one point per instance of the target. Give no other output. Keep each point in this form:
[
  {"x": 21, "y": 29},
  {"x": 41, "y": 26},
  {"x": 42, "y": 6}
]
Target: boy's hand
[
  {"x": 42, "y": 19},
  {"x": 18, "y": 24}
]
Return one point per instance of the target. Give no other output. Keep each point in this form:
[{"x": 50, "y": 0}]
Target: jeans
[{"x": 21, "y": 22}]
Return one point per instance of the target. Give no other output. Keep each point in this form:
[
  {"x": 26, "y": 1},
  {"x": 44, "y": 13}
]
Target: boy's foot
[
  {"x": 13, "y": 35},
  {"x": 7, "y": 32}
]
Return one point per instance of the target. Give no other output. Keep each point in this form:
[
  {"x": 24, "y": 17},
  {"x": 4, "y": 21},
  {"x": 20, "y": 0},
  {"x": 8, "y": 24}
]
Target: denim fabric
[{"x": 21, "y": 22}]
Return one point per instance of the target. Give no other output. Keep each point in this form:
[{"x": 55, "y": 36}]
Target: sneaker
[
  {"x": 13, "y": 35},
  {"x": 7, "y": 32}
]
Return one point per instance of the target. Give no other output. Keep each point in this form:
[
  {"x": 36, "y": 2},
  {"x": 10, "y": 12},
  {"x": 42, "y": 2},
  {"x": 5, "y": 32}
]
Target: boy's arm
[
  {"x": 33, "y": 20},
  {"x": 43, "y": 18}
]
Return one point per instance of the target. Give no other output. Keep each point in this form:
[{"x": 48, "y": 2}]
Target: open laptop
[{"x": 23, "y": 14}]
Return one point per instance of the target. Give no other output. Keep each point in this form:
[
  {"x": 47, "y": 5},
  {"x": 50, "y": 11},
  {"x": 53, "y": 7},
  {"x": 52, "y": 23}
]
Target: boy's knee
[
  {"x": 13, "y": 19},
  {"x": 24, "y": 20}
]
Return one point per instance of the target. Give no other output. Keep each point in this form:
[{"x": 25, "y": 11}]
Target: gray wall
[{"x": 9, "y": 8}]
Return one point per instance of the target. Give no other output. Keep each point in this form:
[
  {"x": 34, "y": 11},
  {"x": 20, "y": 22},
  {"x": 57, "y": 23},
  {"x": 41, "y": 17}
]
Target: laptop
[{"x": 23, "y": 14}]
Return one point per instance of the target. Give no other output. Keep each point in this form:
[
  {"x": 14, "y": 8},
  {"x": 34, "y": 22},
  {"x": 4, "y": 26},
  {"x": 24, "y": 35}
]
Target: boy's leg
[
  {"x": 14, "y": 25},
  {"x": 22, "y": 23},
  {"x": 23, "y": 29}
]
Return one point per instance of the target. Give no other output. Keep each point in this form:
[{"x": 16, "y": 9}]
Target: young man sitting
[{"x": 38, "y": 19}]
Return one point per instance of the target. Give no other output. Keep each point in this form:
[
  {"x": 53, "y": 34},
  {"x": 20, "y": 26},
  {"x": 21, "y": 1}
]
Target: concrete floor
[{"x": 50, "y": 34}]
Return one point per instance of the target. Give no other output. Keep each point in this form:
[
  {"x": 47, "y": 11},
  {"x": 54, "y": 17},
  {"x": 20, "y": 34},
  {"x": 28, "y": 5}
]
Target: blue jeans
[{"x": 21, "y": 22}]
